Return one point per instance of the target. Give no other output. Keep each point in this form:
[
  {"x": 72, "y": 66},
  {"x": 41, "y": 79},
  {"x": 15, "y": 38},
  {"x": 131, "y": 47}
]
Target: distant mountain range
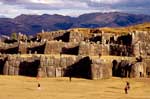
[{"x": 31, "y": 24}]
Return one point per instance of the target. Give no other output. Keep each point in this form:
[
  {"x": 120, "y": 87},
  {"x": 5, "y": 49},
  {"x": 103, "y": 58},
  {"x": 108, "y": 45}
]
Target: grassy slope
[
  {"x": 14, "y": 87},
  {"x": 140, "y": 27}
]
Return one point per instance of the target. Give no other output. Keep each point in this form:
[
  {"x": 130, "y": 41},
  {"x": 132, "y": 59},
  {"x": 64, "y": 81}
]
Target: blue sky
[{"x": 13, "y": 8}]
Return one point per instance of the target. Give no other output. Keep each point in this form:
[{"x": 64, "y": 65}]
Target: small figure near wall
[
  {"x": 39, "y": 86},
  {"x": 127, "y": 87}
]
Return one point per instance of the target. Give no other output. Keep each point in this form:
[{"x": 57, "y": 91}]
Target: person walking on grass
[
  {"x": 127, "y": 87},
  {"x": 70, "y": 77},
  {"x": 70, "y": 74},
  {"x": 39, "y": 86}
]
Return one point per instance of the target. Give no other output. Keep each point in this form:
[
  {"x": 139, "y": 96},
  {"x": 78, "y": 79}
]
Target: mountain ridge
[{"x": 32, "y": 24}]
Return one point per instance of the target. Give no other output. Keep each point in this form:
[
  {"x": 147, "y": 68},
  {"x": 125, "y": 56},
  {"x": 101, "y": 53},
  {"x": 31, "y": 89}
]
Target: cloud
[
  {"x": 46, "y": 4},
  {"x": 106, "y": 1},
  {"x": 131, "y": 6},
  {"x": 72, "y": 7},
  {"x": 56, "y": 5}
]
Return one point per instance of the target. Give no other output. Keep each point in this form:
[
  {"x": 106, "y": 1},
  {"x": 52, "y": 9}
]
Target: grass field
[
  {"x": 125, "y": 30},
  {"x": 17, "y": 87}
]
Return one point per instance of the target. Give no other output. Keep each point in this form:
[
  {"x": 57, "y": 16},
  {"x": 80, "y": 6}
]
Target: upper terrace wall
[
  {"x": 9, "y": 48},
  {"x": 76, "y": 37},
  {"x": 93, "y": 49},
  {"x": 57, "y": 47},
  {"x": 53, "y": 47},
  {"x": 51, "y": 35},
  {"x": 72, "y": 48},
  {"x": 121, "y": 50},
  {"x": 31, "y": 48},
  {"x": 141, "y": 42},
  {"x": 72, "y": 35},
  {"x": 132, "y": 44}
]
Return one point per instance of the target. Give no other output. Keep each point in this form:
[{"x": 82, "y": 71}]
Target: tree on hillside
[{"x": 14, "y": 36}]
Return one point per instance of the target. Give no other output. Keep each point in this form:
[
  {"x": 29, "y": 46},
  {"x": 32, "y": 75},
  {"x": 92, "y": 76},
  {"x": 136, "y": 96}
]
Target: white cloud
[
  {"x": 45, "y": 1},
  {"x": 8, "y": 10},
  {"x": 106, "y": 1},
  {"x": 71, "y": 7}
]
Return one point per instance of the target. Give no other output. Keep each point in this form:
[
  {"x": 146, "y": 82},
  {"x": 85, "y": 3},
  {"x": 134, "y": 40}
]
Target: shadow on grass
[
  {"x": 115, "y": 87},
  {"x": 110, "y": 91},
  {"x": 30, "y": 89}
]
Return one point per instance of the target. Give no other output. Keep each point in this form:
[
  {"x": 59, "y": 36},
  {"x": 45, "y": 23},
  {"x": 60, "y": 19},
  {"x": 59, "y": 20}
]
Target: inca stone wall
[
  {"x": 71, "y": 52},
  {"x": 53, "y": 47},
  {"x": 109, "y": 45},
  {"x": 22, "y": 48},
  {"x": 76, "y": 37},
  {"x": 58, "y": 47},
  {"x": 105, "y": 50},
  {"x": 16, "y": 65},
  {"x": 90, "y": 49},
  {"x": 51, "y": 35},
  {"x": 139, "y": 70},
  {"x": 146, "y": 63},
  {"x": 56, "y": 66},
  {"x": 32, "y": 65},
  {"x": 76, "y": 66},
  {"x": 121, "y": 50},
  {"x": 101, "y": 69},
  {"x": 9, "y": 48},
  {"x": 141, "y": 42},
  {"x": 3, "y": 59}
]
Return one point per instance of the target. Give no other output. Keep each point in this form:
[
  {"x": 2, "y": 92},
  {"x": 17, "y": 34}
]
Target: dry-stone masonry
[{"x": 79, "y": 52}]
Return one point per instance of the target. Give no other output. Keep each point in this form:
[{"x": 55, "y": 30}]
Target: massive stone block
[
  {"x": 76, "y": 37},
  {"x": 90, "y": 49},
  {"x": 138, "y": 70},
  {"x": 23, "y": 48},
  {"x": 17, "y": 65},
  {"x": 101, "y": 69},
  {"x": 141, "y": 41},
  {"x": 53, "y": 47}
]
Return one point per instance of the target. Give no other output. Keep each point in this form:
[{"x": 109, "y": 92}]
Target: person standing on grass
[
  {"x": 39, "y": 86},
  {"x": 70, "y": 77},
  {"x": 127, "y": 87},
  {"x": 70, "y": 74}
]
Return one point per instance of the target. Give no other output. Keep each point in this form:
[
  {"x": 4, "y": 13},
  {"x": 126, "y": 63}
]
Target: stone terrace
[{"x": 86, "y": 53}]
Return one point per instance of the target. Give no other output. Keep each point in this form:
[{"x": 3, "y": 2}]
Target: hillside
[
  {"x": 31, "y": 24},
  {"x": 139, "y": 27}
]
